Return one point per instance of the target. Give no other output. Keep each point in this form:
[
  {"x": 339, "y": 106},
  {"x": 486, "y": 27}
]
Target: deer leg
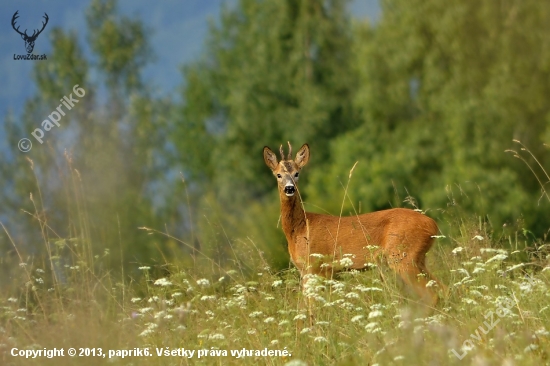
[
  {"x": 417, "y": 277},
  {"x": 413, "y": 272}
]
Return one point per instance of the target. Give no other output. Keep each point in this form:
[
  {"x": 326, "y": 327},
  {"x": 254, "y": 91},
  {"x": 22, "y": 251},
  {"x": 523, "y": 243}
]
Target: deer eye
[
  {"x": 279, "y": 176},
  {"x": 296, "y": 175}
]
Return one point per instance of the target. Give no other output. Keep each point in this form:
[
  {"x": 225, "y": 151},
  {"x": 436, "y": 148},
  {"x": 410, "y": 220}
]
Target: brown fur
[{"x": 401, "y": 236}]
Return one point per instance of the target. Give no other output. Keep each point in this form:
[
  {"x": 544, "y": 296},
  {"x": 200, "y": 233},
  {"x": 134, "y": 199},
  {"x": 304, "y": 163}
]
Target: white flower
[
  {"x": 478, "y": 237},
  {"x": 356, "y": 318},
  {"x": 375, "y": 314},
  {"x": 206, "y": 297},
  {"x": 404, "y": 324},
  {"x": 217, "y": 336},
  {"x": 144, "y": 268},
  {"x": 498, "y": 257},
  {"x": 457, "y": 250},
  {"x": 519, "y": 265},
  {"x": 162, "y": 282},
  {"x": 146, "y": 332},
  {"x": 372, "y": 327},
  {"x": 160, "y": 314},
  {"x": 256, "y": 314},
  {"x": 346, "y": 262},
  {"x": 352, "y": 295},
  {"x": 150, "y": 328},
  {"x": 135, "y": 299},
  {"x": 320, "y": 340},
  {"x": 367, "y": 289},
  {"x": 203, "y": 282},
  {"x": 277, "y": 283},
  {"x": 300, "y": 317},
  {"x": 269, "y": 320},
  {"x": 530, "y": 348}
]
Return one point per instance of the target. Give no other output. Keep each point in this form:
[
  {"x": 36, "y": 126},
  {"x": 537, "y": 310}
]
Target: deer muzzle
[{"x": 290, "y": 189}]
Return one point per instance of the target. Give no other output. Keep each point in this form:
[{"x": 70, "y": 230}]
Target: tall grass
[{"x": 69, "y": 298}]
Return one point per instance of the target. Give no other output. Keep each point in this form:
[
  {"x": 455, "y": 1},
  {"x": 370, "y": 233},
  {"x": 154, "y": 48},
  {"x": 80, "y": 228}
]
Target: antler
[
  {"x": 289, "y": 156},
  {"x": 34, "y": 34},
  {"x": 43, "y": 26},
  {"x": 289, "y": 151},
  {"x": 13, "y": 19}
]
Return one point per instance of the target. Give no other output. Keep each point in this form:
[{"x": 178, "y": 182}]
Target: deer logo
[
  {"x": 401, "y": 236},
  {"x": 29, "y": 40}
]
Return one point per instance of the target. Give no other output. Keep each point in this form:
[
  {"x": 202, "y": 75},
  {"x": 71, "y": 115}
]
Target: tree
[
  {"x": 444, "y": 88},
  {"x": 104, "y": 187},
  {"x": 274, "y": 71}
]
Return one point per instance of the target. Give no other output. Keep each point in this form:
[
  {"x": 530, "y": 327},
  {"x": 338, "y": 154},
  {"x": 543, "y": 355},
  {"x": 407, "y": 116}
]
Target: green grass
[
  {"x": 354, "y": 319},
  {"x": 496, "y": 312}
]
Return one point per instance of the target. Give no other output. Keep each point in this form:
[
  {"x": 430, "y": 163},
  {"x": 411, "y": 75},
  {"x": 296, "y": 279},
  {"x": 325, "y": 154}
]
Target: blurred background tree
[
  {"x": 101, "y": 186},
  {"x": 273, "y": 71},
  {"x": 443, "y": 89}
]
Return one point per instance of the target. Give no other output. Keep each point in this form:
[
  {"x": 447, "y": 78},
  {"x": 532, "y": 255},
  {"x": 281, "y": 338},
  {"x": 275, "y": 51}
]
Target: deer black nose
[{"x": 290, "y": 189}]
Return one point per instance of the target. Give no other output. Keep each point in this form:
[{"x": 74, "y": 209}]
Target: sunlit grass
[
  {"x": 353, "y": 318},
  {"x": 496, "y": 311}
]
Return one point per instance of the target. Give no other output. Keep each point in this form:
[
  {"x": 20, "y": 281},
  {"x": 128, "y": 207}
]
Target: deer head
[
  {"x": 287, "y": 170},
  {"x": 29, "y": 40}
]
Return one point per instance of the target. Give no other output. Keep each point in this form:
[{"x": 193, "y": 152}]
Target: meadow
[{"x": 496, "y": 311}]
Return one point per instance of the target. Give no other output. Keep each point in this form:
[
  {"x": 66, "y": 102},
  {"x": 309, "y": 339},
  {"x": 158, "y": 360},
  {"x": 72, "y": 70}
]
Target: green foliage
[
  {"x": 443, "y": 89},
  {"x": 273, "y": 71},
  {"x": 110, "y": 147},
  {"x": 120, "y": 43}
]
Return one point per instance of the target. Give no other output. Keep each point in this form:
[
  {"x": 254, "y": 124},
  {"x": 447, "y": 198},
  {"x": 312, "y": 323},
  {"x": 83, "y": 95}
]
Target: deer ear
[
  {"x": 302, "y": 156},
  {"x": 270, "y": 158}
]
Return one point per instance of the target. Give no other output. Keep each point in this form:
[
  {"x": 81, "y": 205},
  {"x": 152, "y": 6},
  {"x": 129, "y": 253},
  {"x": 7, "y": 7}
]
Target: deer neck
[{"x": 293, "y": 217}]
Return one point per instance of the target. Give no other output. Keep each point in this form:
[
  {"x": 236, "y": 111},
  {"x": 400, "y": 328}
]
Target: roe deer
[{"x": 402, "y": 236}]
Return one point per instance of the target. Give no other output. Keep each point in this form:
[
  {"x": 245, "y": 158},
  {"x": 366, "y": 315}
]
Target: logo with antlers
[{"x": 29, "y": 40}]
